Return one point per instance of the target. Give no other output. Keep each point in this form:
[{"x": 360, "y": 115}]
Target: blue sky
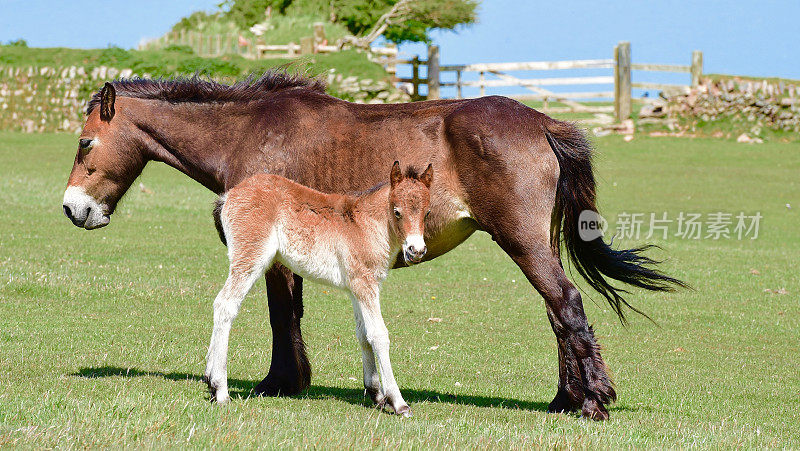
[{"x": 759, "y": 38}]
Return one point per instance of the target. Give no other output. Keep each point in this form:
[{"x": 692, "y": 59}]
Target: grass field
[{"x": 103, "y": 334}]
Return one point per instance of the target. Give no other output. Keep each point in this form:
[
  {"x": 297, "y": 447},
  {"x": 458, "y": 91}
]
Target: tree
[
  {"x": 403, "y": 20},
  {"x": 396, "y": 20}
]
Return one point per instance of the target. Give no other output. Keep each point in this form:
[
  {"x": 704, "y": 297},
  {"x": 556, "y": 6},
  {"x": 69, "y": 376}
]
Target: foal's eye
[
  {"x": 85, "y": 144},
  {"x": 427, "y": 214},
  {"x": 397, "y": 213}
]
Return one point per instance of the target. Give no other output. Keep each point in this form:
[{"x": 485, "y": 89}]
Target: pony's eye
[
  {"x": 427, "y": 214},
  {"x": 397, "y": 213},
  {"x": 85, "y": 144}
]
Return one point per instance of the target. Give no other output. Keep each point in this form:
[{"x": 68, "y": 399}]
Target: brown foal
[{"x": 344, "y": 241}]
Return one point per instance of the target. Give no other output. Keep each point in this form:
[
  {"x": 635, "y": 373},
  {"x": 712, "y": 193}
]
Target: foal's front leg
[
  {"x": 372, "y": 380},
  {"x": 377, "y": 336}
]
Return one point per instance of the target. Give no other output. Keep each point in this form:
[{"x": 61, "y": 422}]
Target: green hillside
[{"x": 181, "y": 59}]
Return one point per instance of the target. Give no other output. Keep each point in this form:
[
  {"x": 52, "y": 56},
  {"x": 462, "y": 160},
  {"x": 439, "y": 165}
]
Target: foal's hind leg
[{"x": 245, "y": 269}]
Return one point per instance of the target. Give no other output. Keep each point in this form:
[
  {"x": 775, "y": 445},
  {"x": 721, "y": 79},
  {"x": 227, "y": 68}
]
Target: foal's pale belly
[{"x": 318, "y": 261}]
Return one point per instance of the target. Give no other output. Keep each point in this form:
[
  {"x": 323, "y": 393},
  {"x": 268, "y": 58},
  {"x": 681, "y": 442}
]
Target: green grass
[{"x": 103, "y": 334}]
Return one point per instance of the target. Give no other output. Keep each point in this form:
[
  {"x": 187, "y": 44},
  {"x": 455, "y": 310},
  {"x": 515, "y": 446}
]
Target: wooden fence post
[
  {"x": 697, "y": 67},
  {"x": 433, "y": 72},
  {"x": 458, "y": 85},
  {"x": 319, "y": 33},
  {"x": 481, "y": 79},
  {"x": 622, "y": 80},
  {"x": 391, "y": 66},
  {"x": 306, "y": 45},
  {"x": 415, "y": 78}
]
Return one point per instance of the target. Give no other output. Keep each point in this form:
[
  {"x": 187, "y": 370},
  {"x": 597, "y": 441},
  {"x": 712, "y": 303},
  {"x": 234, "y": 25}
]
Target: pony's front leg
[
  {"x": 372, "y": 381},
  {"x": 226, "y": 307},
  {"x": 377, "y": 336}
]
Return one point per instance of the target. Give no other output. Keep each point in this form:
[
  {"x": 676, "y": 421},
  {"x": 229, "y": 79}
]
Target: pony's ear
[
  {"x": 427, "y": 177},
  {"x": 107, "y": 97},
  {"x": 396, "y": 175}
]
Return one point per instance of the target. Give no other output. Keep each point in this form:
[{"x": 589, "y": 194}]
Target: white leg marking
[
  {"x": 378, "y": 337},
  {"x": 241, "y": 278},
  {"x": 372, "y": 381}
]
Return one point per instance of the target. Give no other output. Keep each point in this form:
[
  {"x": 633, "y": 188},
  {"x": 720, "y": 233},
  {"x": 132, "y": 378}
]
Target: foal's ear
[
  {"x": 427, "y": 177},
  {"x": 397, "y": 175},
  {"x": 107, "y": 97}
]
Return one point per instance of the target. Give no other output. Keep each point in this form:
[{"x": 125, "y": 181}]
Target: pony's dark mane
[{"x": 201, "y": 90}]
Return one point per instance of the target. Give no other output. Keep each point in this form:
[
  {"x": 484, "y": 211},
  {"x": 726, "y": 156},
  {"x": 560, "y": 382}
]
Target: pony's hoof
[
  {"x": 562, "y": 403},
  {"x": 272, "y": 386},
  {"x": 593, "y": 410},
  {"x": 404, "y": 411}
]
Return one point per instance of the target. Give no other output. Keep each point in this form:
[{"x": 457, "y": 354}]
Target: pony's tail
[
  {"x": 218, "y": 204},
  {"x": 594, "y": 259}
]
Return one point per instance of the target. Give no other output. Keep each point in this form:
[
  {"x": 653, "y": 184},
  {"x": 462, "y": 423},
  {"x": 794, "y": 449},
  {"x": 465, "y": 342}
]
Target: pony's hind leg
[
  {"x": 584, "y": 379},
  {"x": 245, "y": 269},
  {"x": 516, "y": 207}
]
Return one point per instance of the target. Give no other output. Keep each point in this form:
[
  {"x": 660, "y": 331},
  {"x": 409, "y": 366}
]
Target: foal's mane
[
  {"x": 410, "y": 172},
  {"x": 200, "y": 90}
]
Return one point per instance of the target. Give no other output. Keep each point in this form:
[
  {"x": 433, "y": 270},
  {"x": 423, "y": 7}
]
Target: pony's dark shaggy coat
[
  {"x": 200, "y": 90},
  {"x": 501, "y": 167}
]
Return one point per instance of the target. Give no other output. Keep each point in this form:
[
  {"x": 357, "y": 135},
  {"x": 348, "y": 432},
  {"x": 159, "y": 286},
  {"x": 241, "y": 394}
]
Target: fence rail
[
  {"x": 213, "y": 45},
  {"x": 621, "y": 79}
]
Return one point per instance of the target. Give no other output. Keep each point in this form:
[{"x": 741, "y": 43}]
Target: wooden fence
[
  {"x": 620, "y": 81},
  {"x": 213, "y": 45}
]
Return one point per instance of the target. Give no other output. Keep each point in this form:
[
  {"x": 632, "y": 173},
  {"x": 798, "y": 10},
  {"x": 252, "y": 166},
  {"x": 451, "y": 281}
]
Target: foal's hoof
[
  {"x": 593, "y": 410},
  {"x": 222, "y": 399},
  {"x": 376, "y": 396},
  {"x": 404, "y": 411}
]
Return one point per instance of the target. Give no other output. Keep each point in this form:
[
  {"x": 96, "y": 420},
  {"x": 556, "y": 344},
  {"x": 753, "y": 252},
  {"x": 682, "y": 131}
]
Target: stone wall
[
  {"x": 38, "y": 99},
  {"x": 749, "y": 104},
  {"x": 48, "y": 99}
]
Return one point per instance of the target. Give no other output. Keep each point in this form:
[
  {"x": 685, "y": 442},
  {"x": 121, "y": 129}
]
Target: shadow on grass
[
  {"x": 245, "y": 389},
  {"x": 356, "y": 396},
  {"x": 235, "y": 386}
]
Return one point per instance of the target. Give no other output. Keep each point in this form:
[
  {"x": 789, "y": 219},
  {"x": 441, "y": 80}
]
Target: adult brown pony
[{"x": 502, "y": 167}]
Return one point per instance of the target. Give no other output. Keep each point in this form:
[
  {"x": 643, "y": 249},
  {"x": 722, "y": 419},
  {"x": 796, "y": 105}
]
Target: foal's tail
[
  {"x": 593, "y": 258},
  {"x": 218, "y": 204}
]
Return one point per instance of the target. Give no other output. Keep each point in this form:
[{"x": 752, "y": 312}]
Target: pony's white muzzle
[
  {"x": 414, "y": 249},
  {"x": 83, "y": 210}
]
